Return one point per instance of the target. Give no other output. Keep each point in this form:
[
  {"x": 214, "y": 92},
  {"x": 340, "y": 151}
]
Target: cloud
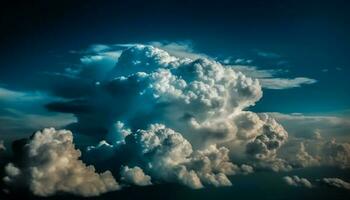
[
  {"x": 201, "y": 99},
  {"x": 309, "y": 126},
  {"x": 267, "y": 54},
  {"x": 269, "y": 79},
  {"x": 50, "y": 164},
  {"x": 304, "y": 159},
  {"x": 265, "y": 146},
  {"x": 2, "y": 146},
  {"x": 168, "y": 157},
  {"x": 297, "y": 181},
  {"x": 312, "y": 153},
  {"x": 182, "y": 93},
  {"x": 336, "y": 182},
  {"x": 182, "y": 49},
  {"x": 286, "y": 83},
  {"x": 170, "y": 116},
  {"x": 135, "y": 176},
  {"x": 336, "y": 154},
  {"x": 171, "y": 158}
]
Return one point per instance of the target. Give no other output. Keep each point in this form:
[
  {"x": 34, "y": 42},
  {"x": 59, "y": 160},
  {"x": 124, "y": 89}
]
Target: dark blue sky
[{"x": 308, "y": 37}]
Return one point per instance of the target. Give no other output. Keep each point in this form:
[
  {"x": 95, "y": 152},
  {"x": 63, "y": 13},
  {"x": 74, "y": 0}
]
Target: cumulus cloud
[
  {"x": 135, "y": 176},
  {"x": 50, "y": 163},
  {"x": 201, "y": 99},
  {"x": 170, "y": 157},
  {"x": 179, "y": 118},
  {"x": 187, "y": 95},
  {"x": 297, "y": 181},
  {"x": 264, "y": 147},
  {"x": 336, "y": 182}
]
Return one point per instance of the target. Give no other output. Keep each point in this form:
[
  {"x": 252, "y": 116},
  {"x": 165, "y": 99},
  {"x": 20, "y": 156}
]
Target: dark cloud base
[{"x": 260, "y": 185}]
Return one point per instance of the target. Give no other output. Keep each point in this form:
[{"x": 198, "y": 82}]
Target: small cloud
[
  {"x": 317, "y": 135},
  {"x": 336, "y": 182},
  {"x": 297, "y": 181},
  {"x": 183, "y": 49},
  {"x": 286, "y": 83},
  {"x": 135, "y": 175},
  {"x": 267, "y": 54},
  {"x": 325, "y": 70},
  {"x": 238, "y": 61}
]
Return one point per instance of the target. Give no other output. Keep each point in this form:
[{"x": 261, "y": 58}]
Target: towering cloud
[
  {"x": 49, "y": 163},
  {"x": 177, "y": 119}
]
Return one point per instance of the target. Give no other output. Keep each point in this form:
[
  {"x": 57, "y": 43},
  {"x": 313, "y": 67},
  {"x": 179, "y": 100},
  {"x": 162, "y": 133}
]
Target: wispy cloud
[
  {"x": 266, "y": 54},
  {"x": 286, "y": 83},
  {"x": 182, "y": 49},
  {"x": 269, "y": 78}
]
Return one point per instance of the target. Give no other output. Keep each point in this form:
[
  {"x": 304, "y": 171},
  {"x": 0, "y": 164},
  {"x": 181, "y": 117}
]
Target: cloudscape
[{"x": 132, "y": 100}]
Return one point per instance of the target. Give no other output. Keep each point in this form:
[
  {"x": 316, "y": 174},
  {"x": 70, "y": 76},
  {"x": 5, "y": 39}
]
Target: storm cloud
[{"x": 158, "y": 117}]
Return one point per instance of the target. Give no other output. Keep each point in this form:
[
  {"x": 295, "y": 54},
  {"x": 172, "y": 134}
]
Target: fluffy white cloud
[
  {"x": 135, "y": 176},
  {"x": 51, "y": 164},
  {"x": 297, "y": 181},
  {"x": 336, "y": 182},
  {"x": 170, "y": 157}
]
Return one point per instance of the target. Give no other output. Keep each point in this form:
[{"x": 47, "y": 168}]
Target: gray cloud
[
  {"x": 336, "y": 182},
  {"x": 2, "y": 146},
  {"x": 286, "y": 83},
  {"x": 135, "y": 175},
  {"x": 297, "y": 181}
]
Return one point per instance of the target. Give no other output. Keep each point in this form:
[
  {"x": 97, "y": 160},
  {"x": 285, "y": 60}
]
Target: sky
[{"x": 207, "y": 98}]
